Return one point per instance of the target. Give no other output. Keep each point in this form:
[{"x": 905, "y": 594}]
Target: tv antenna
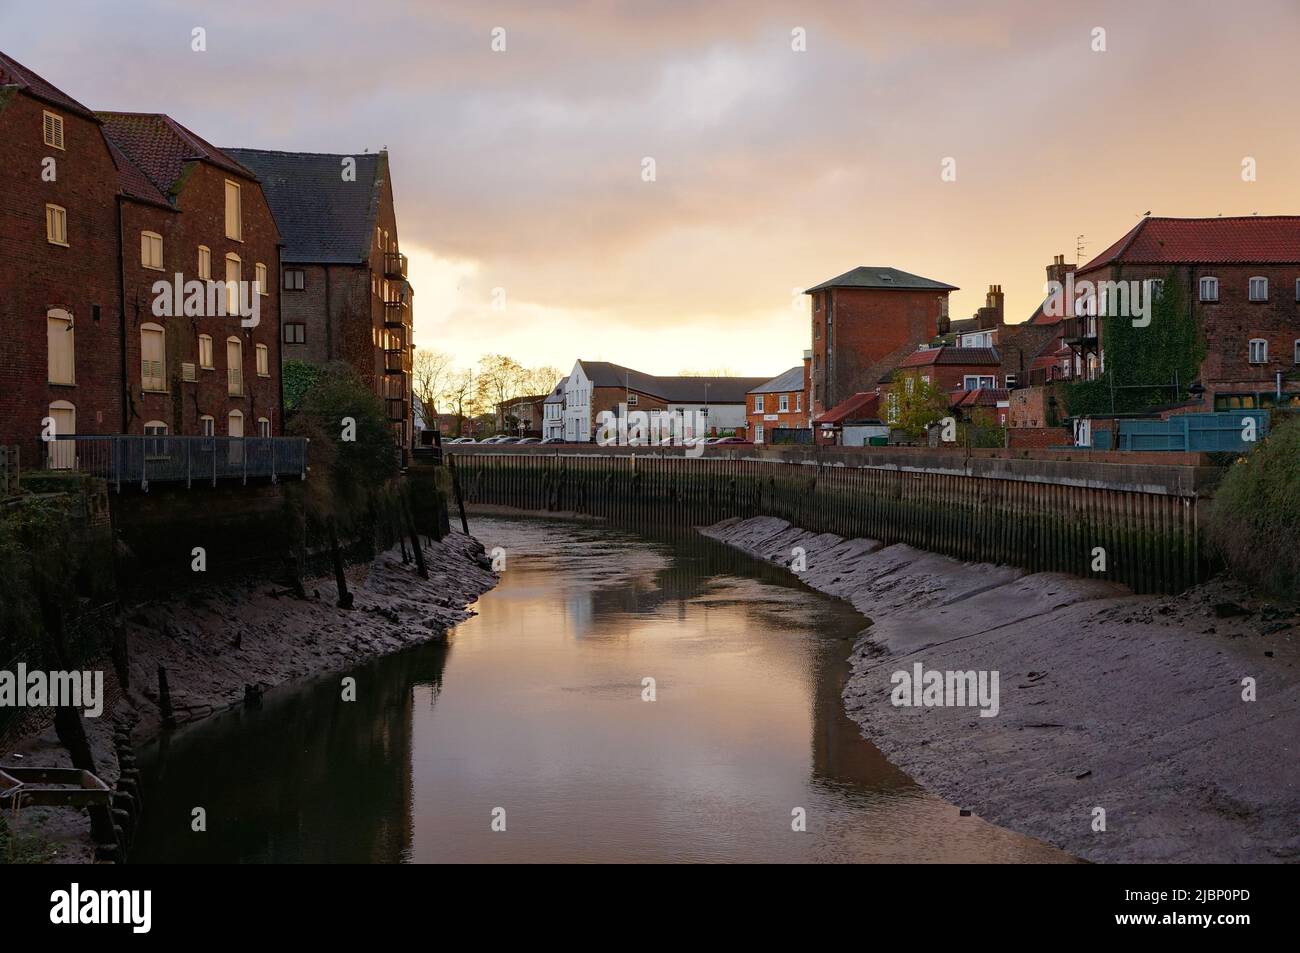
[{"x": 1079, "y": 244}]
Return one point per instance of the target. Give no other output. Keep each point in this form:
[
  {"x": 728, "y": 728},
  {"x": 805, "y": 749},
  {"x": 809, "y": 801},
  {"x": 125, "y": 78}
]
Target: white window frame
[
  {"x": 1212, "y": 284},
  {"x": 237, "y": 233},
  {"x": 64, "y": 319},
  {"x": 205, "y": 263},
  {"x": 783, "y": 404},
  {"x": 758, "y": 403},
  {"x": 52, "y": 130},
  {"x": 1258, "y": 348},
  {"x": 979, "y": 380},
  {"x": 56, "y": 225},
  {"x": 1251, "y": 288},
  {"x": 259, "y": 275},
  {"x": 160, "y": 378},
  {"x": 207, "y": 426},
  {"x": 263, "y": 427},
  {"x": 1297, "y": 351},
  {"x": 149, "y": 243},
  {"x": 263, "y": 354},
  {"x": 205, "y": 344},
  {"x": 632, "y": 399}
]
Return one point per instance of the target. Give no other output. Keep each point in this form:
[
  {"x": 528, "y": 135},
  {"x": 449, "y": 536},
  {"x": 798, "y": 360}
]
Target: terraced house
[{"x": 345, "y": 291}]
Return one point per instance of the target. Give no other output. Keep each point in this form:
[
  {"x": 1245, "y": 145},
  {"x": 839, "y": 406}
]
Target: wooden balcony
[
  {"x": 397, "y": 360},
  {"x": 395, "y": 265}
]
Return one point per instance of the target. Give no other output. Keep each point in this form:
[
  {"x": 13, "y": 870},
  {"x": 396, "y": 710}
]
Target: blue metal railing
[{"x": 130, "y": 458}]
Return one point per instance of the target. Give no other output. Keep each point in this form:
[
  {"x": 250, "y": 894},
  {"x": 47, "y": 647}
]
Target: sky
[{"x": 524, "y": 199}]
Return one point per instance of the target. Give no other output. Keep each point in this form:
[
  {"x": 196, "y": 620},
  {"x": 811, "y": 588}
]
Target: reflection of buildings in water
[{"x": 279, "y": 797}]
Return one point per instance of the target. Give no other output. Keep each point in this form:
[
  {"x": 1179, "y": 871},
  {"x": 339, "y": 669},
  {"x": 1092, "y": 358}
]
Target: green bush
[
  {"x": 1255, "y": 516},
  {"x": 299, "y": 377}
]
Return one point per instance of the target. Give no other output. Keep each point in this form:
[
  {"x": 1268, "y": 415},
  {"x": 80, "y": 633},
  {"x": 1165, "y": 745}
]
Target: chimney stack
[{"x": 1058, "y": 269}]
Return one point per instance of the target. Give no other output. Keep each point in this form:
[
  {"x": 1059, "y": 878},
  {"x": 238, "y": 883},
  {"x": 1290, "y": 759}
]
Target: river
[{"x": 539, "y": 715}]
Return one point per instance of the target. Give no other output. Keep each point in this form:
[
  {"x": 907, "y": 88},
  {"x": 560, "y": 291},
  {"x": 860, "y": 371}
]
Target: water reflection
[{"x": 535, "y": 706}]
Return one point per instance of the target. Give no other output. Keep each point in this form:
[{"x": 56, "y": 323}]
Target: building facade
[
  {"x": 343, "y": 280},
  {"x": 782, "y": 402},
  {"x": 864, "y": 322}
]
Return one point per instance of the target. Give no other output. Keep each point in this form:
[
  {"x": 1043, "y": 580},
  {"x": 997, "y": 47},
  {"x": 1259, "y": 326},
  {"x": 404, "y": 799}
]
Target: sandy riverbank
[
  {"x": 216, "y": 641},
  {"x": 1128, "y": 703}
]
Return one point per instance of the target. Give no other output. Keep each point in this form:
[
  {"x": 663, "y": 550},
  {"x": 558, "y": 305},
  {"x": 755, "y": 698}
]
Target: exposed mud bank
[
  {"x": 1132, "y": 704},
  {"x": 215, "y": 642}
]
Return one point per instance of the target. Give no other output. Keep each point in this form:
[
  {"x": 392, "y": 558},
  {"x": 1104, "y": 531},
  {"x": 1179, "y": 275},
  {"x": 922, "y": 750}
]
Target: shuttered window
[
  {"x": 263, "y": 361},
  {"x": 53, "y": 130},
  {"x": 59, "y": 335},
  {"x": 234, "y": 214},
  {"x": 153, "y": 370},
  {"x": 151, "y": 255}
]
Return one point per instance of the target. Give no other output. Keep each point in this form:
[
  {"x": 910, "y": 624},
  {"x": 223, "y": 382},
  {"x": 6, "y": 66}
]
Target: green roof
[{"x": 865, "y": 276}]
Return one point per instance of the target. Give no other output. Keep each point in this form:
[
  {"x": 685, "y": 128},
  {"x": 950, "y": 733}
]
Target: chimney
[
  {"x": 993, "y": 301},
  {"x": 1058, "y": 269}
]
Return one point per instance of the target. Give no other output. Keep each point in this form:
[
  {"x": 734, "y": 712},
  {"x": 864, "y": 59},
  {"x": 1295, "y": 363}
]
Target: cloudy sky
[{"x": 522, "y": 170}]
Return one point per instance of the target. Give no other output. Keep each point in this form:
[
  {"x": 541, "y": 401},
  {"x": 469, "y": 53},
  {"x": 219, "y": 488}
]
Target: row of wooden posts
[{"x": 1147, "y": 541}]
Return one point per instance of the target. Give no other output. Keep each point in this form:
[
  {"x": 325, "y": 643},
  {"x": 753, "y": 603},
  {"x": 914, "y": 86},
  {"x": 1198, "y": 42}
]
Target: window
[
  {"x": 295, "y": 333},
  {"x": 234, "y": 273},
  {"x": 783, "y": 403},
  {"x": 1258, "y": 351},
  {"x": 758, "y": 403},
  {"x": 153, "y": 366},
  {"x": 234, "y": 368},
  {"x": 1209, "y": 289},
  {"x": 56, "y": 225},
  {"x": 151, "y": 250},
  {"x": 205, "y": 352},
  {"x": 1297, "y": 352},
  {"x": 976, "y": 381},
  {"x": 259, "y": 275},
  {"x": 631, "y": 400},
  {"x": 758, "y": 433},
  {"x": 155, "y": 449},
  {"x": 1258, "y": 289},
  {"x": 53, "y": 130},
  {"x": 188, "y": 373},
  {"x": 263, "y": 361},
  {"x": 58, "y": 334},
  {"x": 798, "y": 401},
  {"x": 379, "y": 237},
  {"x": 1154, "y": 287},
  {"x": 207, "y": 426},
  {"x": 234, "y": 216},
  {"x": 293, "y": 279},
  {"x": 205, "y": 263},
  {"x": 263, "y": 427}
]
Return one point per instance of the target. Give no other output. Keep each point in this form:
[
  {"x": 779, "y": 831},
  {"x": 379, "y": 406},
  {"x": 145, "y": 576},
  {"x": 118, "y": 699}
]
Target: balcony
[
  {"x": 397, "y": 361},
  {"x": 1079, "y": 330},
  {"x": 130, "y": 459},
  {"x": 396, "y": 407},
  {"x": 395, "y": 265},
  {"x": 397, "y": 314}
]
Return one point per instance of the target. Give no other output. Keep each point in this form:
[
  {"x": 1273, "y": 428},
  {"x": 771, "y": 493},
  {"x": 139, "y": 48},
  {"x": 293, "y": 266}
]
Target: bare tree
[
  {"x": 542, "y": 380},
  {"x": 430, "y": 373},
  {"x": 500, "y": 379},
  {"x": 460, "y": 395}
]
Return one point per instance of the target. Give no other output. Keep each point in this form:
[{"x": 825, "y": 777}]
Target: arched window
[
  {"x": 207, "y": 426},
  {"x": 205, "y": 351},
  {"x": 155, "y": 449},
  {"x": 62, "y": 423},
  {"x": 234, "y": 274},
  {"x": 263, "y": 427},
  {"x": 259, "y": 275},
  {"x": 62, "y": 353},
  {"x": 153, "y": 359},
  {"x": 263, "y": 361},
  {"x": 234, "y": 367}
]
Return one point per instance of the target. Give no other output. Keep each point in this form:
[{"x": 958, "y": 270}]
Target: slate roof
[
  {"x": 789, "y": 382},
  {"x": 1245, "y": 240},
  {"x": 322, "y": 218},
  {"x": 162, "y": 147},
  {"x": 882, "y": 278},
  {"x": 674, "y": 390},
  {"x": 864, "y": 405},
  {"x": 13, "y": 73},
  {"x": 948, "y": 355},
  {"x": 557, "y": 395}
]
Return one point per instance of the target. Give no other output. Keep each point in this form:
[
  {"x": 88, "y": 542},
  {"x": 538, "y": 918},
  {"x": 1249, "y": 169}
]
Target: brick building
[
  {"x": 953, "y": 368},
  {"x": 60, "y": 304},
  {"x": 1241, "y": 277},
  {"x": 522, "y": 416},
  {"x": 211, "y": 363},
  {"x": 781, "y": 402},
  {"x": 864, "y": 322},
  {"x": 345, "y": 292}
]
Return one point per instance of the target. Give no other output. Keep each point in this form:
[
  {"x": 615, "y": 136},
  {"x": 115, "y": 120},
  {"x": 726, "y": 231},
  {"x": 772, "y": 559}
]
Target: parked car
[
  {"x": 529, "y": 440},
  {"x": 554, "y": 440},
  {"x": 727, "y": 440},
  {"x": 507, "y": 440}
]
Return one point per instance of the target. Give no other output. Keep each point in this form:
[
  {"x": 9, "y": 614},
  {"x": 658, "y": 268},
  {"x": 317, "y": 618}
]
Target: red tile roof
[
  {"x": 132, "y": 180},
  {"x": 947, "y": 355},
  {"x": 161, "y": 147},
  {"x": 13, "y": 73},
  {"x": 980, "y": 397},
  {"x": 861, "y": 406},
  {"x": 1245, "y": 240}
]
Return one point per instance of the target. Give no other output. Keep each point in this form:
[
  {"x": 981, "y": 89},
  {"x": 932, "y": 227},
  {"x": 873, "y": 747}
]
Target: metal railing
[
  {"x": 9, "y": 472},
  {"x": 130, "y": 458}
]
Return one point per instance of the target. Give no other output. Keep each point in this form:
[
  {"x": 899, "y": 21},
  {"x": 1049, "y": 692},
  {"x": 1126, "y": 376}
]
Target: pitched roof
[
  {"x": 1246, "y": 240},
  {"x": 863, "y": 405},
  {"x": 979, "y": 397},
  {"x": 883, "y": 278},
  {"x": 131, "y": 179},
  {"x": 556, "y": 396},
  {"x": 13, "y": 73},
  {"x": 948, "y": 355},
  {"x": 162, "y": 147},
  {"x": 674, "y": 390},
  {"x": 608, "y": 374},
  {"x": 322, "y": 218},
  {"x": 790, "y": 381}
]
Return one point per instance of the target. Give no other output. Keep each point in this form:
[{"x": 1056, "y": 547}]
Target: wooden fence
[{"x": 1149, "y": 539}]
